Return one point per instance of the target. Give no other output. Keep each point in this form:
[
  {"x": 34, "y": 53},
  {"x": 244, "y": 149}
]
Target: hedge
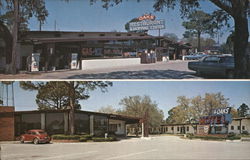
[
  {"x": 100, "y": 139},
  {"x": 71, "y": 137}
]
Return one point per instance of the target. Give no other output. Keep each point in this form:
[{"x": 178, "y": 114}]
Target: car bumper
[{"x": 44, "y": 140}]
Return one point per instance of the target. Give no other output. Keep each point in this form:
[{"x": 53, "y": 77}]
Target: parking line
[
  {"x": 68, "y": 155},
  {"x": 131, "y": 154}
]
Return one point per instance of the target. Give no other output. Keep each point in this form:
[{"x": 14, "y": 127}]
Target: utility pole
[{"x": 15, "y": 37}]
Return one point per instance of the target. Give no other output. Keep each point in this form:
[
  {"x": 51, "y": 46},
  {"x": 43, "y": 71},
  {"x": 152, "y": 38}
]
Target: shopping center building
[
  {"x": 55, "y": 50},
  {"x": 14, "y": 123}
]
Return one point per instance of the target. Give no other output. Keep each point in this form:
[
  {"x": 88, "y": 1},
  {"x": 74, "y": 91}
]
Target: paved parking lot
[
  {"x": 160, "y": 70},
  {"x": 160, "y": 147}
]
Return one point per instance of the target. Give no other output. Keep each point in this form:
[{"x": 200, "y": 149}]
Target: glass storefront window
[
  {"x": 55, "y": 123},
  {"x": 30, "y": 121},
  {"x": 81, "y": 123},
  {"x": 100, "y": 125}
]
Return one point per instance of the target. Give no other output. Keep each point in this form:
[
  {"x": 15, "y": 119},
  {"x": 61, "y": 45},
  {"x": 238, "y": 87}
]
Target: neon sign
[{"x": 146, "y": 17}]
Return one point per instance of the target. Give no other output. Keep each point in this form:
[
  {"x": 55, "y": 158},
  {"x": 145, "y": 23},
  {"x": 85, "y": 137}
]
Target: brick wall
[{"x": 7, "y": 130}]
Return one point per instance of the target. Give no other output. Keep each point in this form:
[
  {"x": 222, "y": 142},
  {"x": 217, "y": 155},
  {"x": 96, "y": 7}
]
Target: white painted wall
[{"x": 109, "y": 63}]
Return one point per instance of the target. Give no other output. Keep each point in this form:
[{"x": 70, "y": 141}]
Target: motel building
[
  {"x": 59, "y": 50},
  {"x": 14, "y": 123}
]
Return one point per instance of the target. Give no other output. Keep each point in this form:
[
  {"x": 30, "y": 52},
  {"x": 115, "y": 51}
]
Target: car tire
[
  {"x": 36, "y": 141},
  {"x": 230, "y": 74},
  {"x": 21, "y": 140}
]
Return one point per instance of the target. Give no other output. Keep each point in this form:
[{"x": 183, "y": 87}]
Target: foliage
[
  {"x": 101, "y": 139},
  {"x": 107, "y": 109},
  {"x": 65, "y": 137},
  {"x": 56, "y": 96},
  {"x": 242, "y": 110},
  {"x": 189, "y": 110},
  {"x": 171, "y": 36},
  {"x": 142, "y": 107}
]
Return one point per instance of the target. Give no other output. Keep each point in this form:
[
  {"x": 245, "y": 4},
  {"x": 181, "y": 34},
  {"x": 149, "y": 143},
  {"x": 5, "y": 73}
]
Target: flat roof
[{"x": 128, "y": 119}]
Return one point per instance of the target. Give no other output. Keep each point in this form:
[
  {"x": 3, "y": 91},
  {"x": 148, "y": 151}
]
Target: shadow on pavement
[{"x": 145, "y": 74}]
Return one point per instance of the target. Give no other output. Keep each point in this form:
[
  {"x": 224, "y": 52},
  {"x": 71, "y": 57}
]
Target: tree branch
[{"x": 223, "y": 6}]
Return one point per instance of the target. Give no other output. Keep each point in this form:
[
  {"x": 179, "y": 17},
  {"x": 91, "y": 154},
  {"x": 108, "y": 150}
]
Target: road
[
  {"x": 160, "y": 70},
  {"x": 159, "y": 147}
]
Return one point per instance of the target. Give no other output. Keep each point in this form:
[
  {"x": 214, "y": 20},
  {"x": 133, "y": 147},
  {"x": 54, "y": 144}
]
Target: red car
[{"x": 36, "y": 136}]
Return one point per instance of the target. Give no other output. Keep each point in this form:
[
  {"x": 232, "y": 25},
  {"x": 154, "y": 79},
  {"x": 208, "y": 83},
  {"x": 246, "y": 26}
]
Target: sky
[
  {"x": 164, "y": 93},
  {"x": 79, "y": 15}
]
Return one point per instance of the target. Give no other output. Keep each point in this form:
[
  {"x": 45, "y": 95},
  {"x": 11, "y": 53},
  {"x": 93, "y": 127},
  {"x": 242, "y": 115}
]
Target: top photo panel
[{"x": 124, "y": 39}]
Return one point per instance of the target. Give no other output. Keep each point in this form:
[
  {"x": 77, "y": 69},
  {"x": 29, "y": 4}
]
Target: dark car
[
  {"x": 214, "y": 65},
  {"x": 36, "y": 136}
]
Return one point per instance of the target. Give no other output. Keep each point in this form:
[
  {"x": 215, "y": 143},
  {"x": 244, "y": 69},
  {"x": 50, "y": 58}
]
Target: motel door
[{"x": 183, "y": 131}]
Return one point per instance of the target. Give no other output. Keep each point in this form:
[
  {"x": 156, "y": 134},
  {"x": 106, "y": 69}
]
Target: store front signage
[
  {"x": 221, "y": 111},
  {"x": 216, "y": 119},
  {"x": 146, "y": 17},
  {"x": 147, "y": 25}
]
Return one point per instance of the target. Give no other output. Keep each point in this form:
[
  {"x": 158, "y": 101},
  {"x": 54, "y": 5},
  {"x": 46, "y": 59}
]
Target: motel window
[
  {"x": 172, "y": 128},
  {"x": 218, "y": 128},
  {"x": 188, "y": 128},
  {"x": 55, "y": 123},
  {"x": 166, "y": 129},
  {"x": 118, "y": 34},
  {"x": 129, "y": 35},
  {"x": 30, "y": 121},
  {"x": 81, "y": 123},
  {"x": 81, "y": 35},
  {"x": 102, "y": 35},
  {"x": 243, "y": 127},
  {"x": 100, "y": 125},
  {"x": 112, "y": 127},
  {"x": 232, "y": 127},
  {"x": 178, "y": 128},
  {"x": 238, "y": 127}
]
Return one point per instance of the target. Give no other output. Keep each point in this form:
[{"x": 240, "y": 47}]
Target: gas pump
[
  {"x": 73, "y": 64},
  {"x": 35, "y": 59}
]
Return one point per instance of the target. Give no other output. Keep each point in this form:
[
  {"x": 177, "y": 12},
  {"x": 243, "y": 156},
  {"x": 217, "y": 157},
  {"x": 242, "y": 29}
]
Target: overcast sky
[
  {"x": 79, "y": 15},
  {"x": 164, "y": 93}
]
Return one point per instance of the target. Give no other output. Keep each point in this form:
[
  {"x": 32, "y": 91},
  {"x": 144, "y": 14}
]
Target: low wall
[{"x": 109, "y": 63}]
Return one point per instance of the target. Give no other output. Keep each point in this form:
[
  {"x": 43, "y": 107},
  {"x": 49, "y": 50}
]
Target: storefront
[{"x": 57, "y": 122}]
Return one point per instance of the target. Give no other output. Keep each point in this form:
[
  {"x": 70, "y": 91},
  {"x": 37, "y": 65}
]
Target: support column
[
  {"x": 66, "y": 123},
  {"x": 43, "y": 121},
  {"x": 91, "y": 125},
  {"x": 142, "y": 129}
]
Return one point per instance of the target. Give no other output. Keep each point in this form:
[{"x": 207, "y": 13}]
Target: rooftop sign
[
  {"x": 147, "y": 25},
  {"x": 221, "y": 111}
]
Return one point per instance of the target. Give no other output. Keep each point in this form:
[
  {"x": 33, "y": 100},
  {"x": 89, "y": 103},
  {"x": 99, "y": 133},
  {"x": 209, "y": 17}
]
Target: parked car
[
  {"x": 194, "y": 56},
  {"x": 214, "y": 65},
  {"x": 36, "y": 136}
]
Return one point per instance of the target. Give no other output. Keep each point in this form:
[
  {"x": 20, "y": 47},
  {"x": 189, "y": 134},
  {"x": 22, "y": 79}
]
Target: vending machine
[{"x": 35, "y": 59}]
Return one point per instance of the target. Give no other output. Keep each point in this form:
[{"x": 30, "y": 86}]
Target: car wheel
[
  {"x": 21, "y": 140},
  {"x": 230, "y": 74},
  {"x": 36, "y": 141}
]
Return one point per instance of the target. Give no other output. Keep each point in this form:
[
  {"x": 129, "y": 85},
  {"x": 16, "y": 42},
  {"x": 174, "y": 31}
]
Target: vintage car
[
  {"x": 194, "y": 56},
  {"x": 214, "y": 65},
  {"x": 36, "y": 136}
]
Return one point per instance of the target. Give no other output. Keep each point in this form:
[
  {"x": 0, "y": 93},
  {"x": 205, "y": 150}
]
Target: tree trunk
[
  {"x": 7, "y": 38},
  {"x": 199, "y": 41},
  {"x": 72, "y": 108},
  {"x": 240, "y": 46},
  {"x": 15, "y": 38}
]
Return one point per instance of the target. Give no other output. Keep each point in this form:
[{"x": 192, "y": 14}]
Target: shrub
[
  {"x": 231, "y": 134},
  {"x": 83, "y": 139},
  {"x": 66, "y": 137},
  {"x": 101, "y": 139},
  {"x": 87, "y": 136},
  {"x": 245, "y": 132},
  {"x": 189, "y": 135}
]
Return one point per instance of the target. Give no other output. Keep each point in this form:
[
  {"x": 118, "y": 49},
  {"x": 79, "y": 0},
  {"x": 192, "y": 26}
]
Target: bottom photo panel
[{"x": 124, "y": 120}]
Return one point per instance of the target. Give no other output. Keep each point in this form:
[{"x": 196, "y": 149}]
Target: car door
[
  {"x": 28, "y": 136},
  {"x": 210, "y": 65}
]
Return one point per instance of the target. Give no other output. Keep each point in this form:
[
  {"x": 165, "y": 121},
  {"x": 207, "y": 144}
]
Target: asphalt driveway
[{"x": 160, "y": 147}]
